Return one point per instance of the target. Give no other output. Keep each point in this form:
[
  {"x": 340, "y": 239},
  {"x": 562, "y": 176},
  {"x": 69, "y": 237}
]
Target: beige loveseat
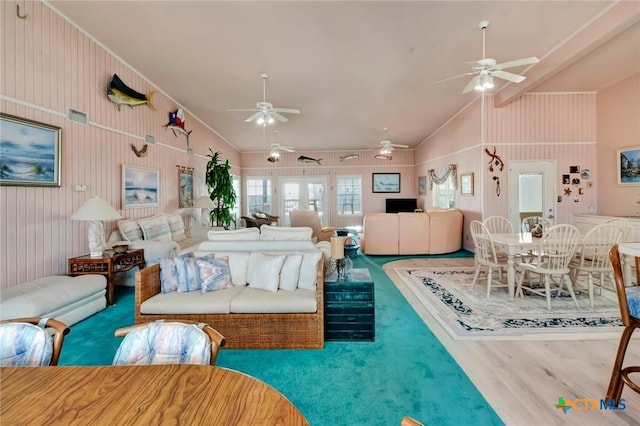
[
  {"x": 248, "y": 317},
  {"x": 431, "y": 232}
]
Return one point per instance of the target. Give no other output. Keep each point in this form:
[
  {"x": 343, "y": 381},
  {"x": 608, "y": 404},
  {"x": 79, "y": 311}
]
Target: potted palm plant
[{"x": 221, "y": 192}]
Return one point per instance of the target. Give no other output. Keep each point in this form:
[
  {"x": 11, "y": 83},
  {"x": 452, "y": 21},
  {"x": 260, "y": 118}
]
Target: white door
[
  {"x": 531, "y": 190},
  {"x": 304, "y": 193}
]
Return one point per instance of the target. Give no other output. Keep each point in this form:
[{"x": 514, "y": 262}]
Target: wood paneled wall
[{"x": 47, "y": 67}]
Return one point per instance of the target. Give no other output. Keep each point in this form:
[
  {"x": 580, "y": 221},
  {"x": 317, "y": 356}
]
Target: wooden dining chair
[
  {"x": 410, "y": 421},
  {"x": 486, "y": 256},
  {"x": 629, "y": 302},
  {"x": 592, "y": 258},
  {"x": 498, "y": 225},
  {"x": 32, "y": 341},
  {"x": 557, "y": 247},
  {"x": 170, "y": 342}
]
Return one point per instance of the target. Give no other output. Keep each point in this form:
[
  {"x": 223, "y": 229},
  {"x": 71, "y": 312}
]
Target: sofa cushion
[
  {"x": 308, "y": 270},
  {"x": 244, "y": 234},
  {"x": 238, "y": 264},
  {"x": 214, "y": 274},
  {"x": 253, "y": 300},
  {"x": 130, "y": 230},
  {"x": 169, "y": 274},
  {"x": 279, "y": 233},
  {"x": 265, "y": 271},
  {"x": 193, "y": 302},
  {"x": 176, "y": 226},
  {"x": 156, "y": 228},
  {"x": 290, "y": 272},
  {"x": 47, "y": 294},
  {"x": 188, "y": 274}
]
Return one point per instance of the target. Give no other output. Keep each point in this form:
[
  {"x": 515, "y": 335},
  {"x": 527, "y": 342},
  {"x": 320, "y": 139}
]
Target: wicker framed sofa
[{"x": 246, "y": 314}]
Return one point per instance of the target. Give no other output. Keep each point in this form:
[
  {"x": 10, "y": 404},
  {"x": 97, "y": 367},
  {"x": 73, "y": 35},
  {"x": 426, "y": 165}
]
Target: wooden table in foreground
[{"x": 176, "y": 394}]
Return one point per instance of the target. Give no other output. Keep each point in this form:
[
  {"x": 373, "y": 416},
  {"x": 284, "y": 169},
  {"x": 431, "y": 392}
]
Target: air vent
[
  {"x": 149, "y": 139},
  {"x": 77, "y": 116}
]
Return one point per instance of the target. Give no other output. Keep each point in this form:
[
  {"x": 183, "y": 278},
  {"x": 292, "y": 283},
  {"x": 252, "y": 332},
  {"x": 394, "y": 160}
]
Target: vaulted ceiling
[{"x": 356, "y": 67}]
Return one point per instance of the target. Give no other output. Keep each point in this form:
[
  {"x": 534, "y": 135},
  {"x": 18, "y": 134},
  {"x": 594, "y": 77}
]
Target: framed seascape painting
[
  {"x": 140, "y": 187},
  {"x": 29, "y": 152},
  {"x": 385, "y": 182},
  {"x": 185, "y": 190},
  {"x": 628, "y": 160},
  {"x": 422, "y": 185}
]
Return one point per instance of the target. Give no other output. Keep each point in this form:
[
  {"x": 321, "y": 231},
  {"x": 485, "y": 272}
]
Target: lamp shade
[
  {"x": 96, "y": 209},
  {"x": 204, "y": 202}
]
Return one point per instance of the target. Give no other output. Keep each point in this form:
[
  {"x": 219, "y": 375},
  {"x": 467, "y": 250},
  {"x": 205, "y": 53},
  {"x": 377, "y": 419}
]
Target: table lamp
[
  {"x": 337, "y": 253},
  {"x": 96, "y": 210},
  {"x": 205, "y": 202}
]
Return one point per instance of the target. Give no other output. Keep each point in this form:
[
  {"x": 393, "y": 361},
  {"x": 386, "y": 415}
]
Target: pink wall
[
  {"x": 618, "y": 127},
  {"x": 48, "y": 66}
]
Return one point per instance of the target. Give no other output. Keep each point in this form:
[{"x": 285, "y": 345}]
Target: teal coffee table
[{"x": 349, "y": 309}]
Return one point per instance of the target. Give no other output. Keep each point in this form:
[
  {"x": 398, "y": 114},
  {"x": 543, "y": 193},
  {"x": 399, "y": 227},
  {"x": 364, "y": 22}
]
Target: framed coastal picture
[
  {"x": 140, "y": 187},
  {"x": 29, "y": 152},
  {"x": 466, "y": 183},
  {"x": 185, "y": 187},
  {"x": 422, "y": 185},
  {"x": 385, "y": 182},
  {"x": 628, "y": 162}
]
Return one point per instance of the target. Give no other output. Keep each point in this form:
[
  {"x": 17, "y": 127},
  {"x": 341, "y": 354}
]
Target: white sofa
[
  {"x": 249, "y": 317},
  {"x": 67, "y": 299}
]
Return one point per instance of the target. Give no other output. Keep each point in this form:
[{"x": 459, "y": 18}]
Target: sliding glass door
[{"x": 304, "y": 193}]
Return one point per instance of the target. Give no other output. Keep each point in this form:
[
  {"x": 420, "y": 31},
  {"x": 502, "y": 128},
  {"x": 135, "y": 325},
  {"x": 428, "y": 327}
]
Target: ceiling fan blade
[
  {"x": 454, "y": 77},
  {"x": 469, "y": 87},
  {"x": 509, "y": 76},
  {"x": 243, "y": 110},
  {"x": 518, "y": 62},
  {"x": 287, "y": 148},
  {"x": 253, "y": 117},
  {"x": 286, "y": 110},
  {"x": 396, "y": 145},
  {"x": 278, "y": 117}
]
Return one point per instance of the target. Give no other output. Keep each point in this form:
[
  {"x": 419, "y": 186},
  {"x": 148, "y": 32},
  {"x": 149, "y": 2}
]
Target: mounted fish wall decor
[
  {"x": 349, "y": 157},
  {"x": 176, "y": 124},
  {"x": 305, "y": 159},
  {"x": 121, "y": 94}
]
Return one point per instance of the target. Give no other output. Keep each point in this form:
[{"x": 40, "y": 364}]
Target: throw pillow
[
  {"x": 176, "y": 225},
  {"x": 266, "y": 274},
  {"x": 214, "y": 274},
  {"x": 130, "y": 230},
  {"x": 308, "y": 271},
  {"x": 188, "y": 274},
  {"x": 290, "y": 272},
  {"x": 156, "y": 228}
]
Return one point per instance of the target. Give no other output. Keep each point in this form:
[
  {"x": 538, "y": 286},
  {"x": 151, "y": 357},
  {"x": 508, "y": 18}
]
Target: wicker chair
[
  {"x": 175, "y": 342},
  {"x": 29, "y": 341}
]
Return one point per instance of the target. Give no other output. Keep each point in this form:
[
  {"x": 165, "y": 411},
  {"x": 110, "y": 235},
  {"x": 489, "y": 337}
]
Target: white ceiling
[{"x": 355, "y": 67}]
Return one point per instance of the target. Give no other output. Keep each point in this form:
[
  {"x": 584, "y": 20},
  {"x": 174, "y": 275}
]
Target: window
[
  {"x": 444, "y": 194},
  {"x": 258, "y": 195},
  {"x": 235, "y": 181},
  {"x": 349, "y": 195}
]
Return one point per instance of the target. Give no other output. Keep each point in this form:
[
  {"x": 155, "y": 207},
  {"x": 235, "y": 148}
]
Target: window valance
[{"x": 440, "y": 175}]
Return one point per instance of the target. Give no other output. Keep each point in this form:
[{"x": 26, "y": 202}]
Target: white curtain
[{"x": 440, "y": 175}]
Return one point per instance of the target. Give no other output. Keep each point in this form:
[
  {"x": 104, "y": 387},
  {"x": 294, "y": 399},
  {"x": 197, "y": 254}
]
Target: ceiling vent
[
  {"x": 150, "y": 139},
  {"x": 77, "y": 116}
]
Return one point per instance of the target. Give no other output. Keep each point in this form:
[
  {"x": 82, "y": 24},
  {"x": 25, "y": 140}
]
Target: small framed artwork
[
  {"x": 466, "y": 183},
  {"x": 574, "y": 169},
  {"x": 29, "y": 152},
  {"x": 628, "y": 162},
  {"x": 566, "y": 179},
  {"x": 140, "y": 187},
  {"x": 422, "y": 185},
  {"x": 385, "y": 182},
  {"x": 185, "y": 187}
]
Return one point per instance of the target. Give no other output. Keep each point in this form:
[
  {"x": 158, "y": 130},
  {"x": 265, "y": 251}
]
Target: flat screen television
[{"x": 396, "y": 205}]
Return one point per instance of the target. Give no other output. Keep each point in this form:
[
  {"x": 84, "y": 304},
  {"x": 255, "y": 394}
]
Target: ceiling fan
[
  {"x": 276, "y": 149},
  {"x": 386, "y": 146},
  {"x": 487, "y": 68},
  {"x": 264, "y": 112}
]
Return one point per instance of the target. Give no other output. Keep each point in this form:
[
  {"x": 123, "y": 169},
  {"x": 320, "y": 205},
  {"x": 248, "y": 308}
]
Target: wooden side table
[
  {"x": 108, "y": 265},
  {"x": 349, "y": 312}
]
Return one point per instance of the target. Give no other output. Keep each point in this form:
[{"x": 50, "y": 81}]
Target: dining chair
[
  {"x": 557, "y": 247},
  {"x": 486, "y": 256},
  {"x": 311, "y": 219},
  {"x": 529, "y": 222},
  {"x": 29, "y": 342},
  {"x": 629, "y": 302},
  {"x": 168, "y": 342},
  {"x": 592, "y": 257},
  {"x": 498, "y": 225},
  {"x": 624, "y": 224},
  {"x": 410, "y": 421}
]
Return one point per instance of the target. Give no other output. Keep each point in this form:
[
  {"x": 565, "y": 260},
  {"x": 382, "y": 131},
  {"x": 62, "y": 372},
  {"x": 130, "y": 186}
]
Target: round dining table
[{"x": 172, "y": 394}]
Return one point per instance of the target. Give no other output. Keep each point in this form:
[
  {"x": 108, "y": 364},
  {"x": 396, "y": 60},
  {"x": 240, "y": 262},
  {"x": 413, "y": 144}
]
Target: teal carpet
[{"x": 406, "y": 371}]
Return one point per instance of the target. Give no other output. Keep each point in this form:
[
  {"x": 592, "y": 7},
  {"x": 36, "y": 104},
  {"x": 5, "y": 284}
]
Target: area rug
[{"x": 466, "y": 313}]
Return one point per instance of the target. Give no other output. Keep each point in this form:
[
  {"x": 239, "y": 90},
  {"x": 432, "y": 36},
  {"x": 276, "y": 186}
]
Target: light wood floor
[{"x": 522, "y": 380}]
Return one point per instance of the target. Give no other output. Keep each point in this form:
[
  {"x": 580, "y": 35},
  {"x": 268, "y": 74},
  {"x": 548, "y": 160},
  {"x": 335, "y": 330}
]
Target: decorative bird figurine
[{"x": 140, "y": 152}]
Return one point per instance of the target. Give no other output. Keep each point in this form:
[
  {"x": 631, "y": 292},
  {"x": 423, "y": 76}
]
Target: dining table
[
  {"x": 170, "y": 394},
  {"x": 514, "y": 244}
]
